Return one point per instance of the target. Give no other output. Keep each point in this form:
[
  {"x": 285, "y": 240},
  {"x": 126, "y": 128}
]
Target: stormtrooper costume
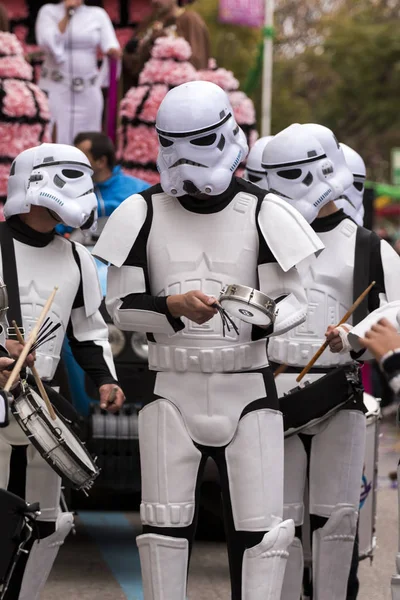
[
  {"x": 352, "y": 200},
  {"x": 254, "y": 171},
  {"x": 306, "y": 166},
  {"x": 59, "y": 178},
  {"x": 214, "y": 396}
]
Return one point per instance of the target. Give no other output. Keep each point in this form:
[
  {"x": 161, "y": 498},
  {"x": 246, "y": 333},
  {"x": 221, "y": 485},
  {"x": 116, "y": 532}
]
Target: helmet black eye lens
[
  {"x": 359, "y": 186},
  {"x": 72, "y": 173},
  {"x": 165, "y": 143},
  {"x": 290, "y": 174},
  {"x": 254, "y": 178},
  {"x": 206, "y": 140}
]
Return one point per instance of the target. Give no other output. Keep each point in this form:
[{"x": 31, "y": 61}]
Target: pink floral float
[
  {"x": 168, "y": 67},
  {"x": 24, "y": 111}
]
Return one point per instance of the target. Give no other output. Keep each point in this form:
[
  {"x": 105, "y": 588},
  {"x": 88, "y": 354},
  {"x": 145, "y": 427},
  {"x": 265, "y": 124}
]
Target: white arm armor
[
  {"x": 287, "y": 234},
  {"x": 87, "y": 323},
  {"x": 121, "y": 230},
  {"x": 292, "y": 310},
  {"x": 114, "y": 245}
]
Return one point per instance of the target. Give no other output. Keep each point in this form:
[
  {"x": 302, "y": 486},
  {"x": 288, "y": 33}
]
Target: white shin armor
[
  {"x": 293, "y": 580},
  {"x": 332, "y": 553},
  {"x": 264, "y": 565},
  {"x": 164, "y": 564},
  {"x": 42, "y": 557}
]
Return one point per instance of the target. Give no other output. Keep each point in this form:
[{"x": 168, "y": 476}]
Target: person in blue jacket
[{"x": 111, "y": 185}]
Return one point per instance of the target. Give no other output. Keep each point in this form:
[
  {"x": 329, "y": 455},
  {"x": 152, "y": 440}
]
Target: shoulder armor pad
[
  {"x": 121, "y": 231},
  {"x": 92, "y": 295},
  {"x": 287, "y": 234}
]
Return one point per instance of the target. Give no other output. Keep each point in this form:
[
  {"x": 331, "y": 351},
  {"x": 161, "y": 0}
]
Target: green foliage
[{"x": 336, "y": 63}]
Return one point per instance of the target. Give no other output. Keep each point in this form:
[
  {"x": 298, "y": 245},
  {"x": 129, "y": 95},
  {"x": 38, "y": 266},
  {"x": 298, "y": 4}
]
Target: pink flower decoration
[
  {"x": 42, "y": 100},
  {"x": 15, "y": 66},
  {"x": 132, "y": 100},
  {"x": 9, "y": 45},
  {"x": 17, "y": 137},
  {"x": 243, "y": 108},
  {"x": 152, "y": 104},
  {"x": 171, "y": 47},
  {"x": 167, "y": 71},
  {"x": 225, "y": 79},
  {"x": 4, "y": 173},
  {"x": 142, "y": 145},
  {"x": 151, "y": 177},
  {"x": 112, "y": 8},
  {"x": 19, "y": 100}
]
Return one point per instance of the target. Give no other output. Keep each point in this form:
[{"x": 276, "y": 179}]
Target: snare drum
[
  {"x": 55, "y": 441},
  {"x": 369, "y": 483},
  {"x": 248, "y": 305}
]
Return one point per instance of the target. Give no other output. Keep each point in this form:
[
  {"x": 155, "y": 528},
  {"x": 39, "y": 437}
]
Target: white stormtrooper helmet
[
  {"x": 352, "y": 199},
  {"x": 201, "y": 145},
  {"x": 299, "y": 170},
  {"x": 57, "y": 177},
  {"x": 254, "y": 171}
]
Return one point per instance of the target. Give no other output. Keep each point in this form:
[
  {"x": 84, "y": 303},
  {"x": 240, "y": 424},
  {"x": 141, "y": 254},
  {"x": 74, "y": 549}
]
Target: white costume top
[
  {"x": 47, "y": 260},
  {"x": 74, "y": 52},
  {"x": 328, "y": 281},
  {"x": 159, "y": 245}
]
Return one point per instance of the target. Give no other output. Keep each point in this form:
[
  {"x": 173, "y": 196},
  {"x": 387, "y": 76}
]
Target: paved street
[{"x": 101, "y": 563}]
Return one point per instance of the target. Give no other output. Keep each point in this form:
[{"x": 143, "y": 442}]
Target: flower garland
[
  {"x": 169, "y": 66},
  {"x": 24, "y": 110}
]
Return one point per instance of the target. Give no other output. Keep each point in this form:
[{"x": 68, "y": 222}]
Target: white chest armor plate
[
  {"x": 39, "y": 270},
  {"x": 185, "y": 254},
  {"x": 328, "y": 281}
]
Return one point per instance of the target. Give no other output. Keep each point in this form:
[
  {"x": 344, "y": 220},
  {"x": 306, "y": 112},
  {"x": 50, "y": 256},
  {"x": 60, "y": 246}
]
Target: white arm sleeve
[{"x": 48, "y": 35}]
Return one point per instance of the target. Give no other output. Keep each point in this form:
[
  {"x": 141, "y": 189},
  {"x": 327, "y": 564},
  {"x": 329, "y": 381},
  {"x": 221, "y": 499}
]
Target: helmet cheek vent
[
  {"x": 58, "y": 181},
  {"x": 308, "y": 179}
]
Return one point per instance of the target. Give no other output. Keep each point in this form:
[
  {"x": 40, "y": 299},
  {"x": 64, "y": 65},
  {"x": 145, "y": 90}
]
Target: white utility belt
[
  {"x": 77, "y": 84},
  {"x": 238, "y": 357}
]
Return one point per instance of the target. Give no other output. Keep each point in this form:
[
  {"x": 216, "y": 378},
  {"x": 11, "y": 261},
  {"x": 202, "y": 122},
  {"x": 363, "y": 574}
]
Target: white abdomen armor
[
  {"x": 178, "y": 263},
  {"x": 39, "y": 270},
  {"x": 328, "y": 281}
]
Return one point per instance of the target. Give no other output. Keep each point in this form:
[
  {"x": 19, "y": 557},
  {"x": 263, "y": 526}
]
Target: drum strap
[
  {"x": 10, "y": 277},
  {"x": 361, "y": 277}
]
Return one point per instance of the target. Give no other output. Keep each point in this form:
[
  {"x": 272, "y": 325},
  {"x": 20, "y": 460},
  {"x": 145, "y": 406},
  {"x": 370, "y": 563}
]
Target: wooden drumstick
[
  {"x": 280, "y": 369},
  {"x": 326, "y": 343},
  {"x": 36, "y": 375},
  {"x": 32, "y": 336}
]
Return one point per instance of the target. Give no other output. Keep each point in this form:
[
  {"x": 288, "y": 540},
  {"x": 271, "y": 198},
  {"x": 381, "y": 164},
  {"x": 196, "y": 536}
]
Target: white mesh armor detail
[
  {"x": 42, "y": 557},
  {"x": 168, "y": 499},
  {"x": 264, "y": 565},
  {"x": 164, "y": 564},
  {"x": 328, "y": 281},
  {"x": 121, "y": 230},
  {"x": 332, "y": 551},
  {"x": 254, "y": 458},
  {"x": 293, "y": 581}
]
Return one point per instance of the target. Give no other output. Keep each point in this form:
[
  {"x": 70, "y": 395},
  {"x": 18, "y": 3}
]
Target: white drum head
[{"x": 245, "y": 312}]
